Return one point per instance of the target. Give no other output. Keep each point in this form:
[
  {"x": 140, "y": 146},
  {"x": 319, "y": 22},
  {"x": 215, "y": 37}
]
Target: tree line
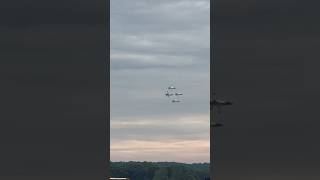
[{"x": 160, "y": 170}]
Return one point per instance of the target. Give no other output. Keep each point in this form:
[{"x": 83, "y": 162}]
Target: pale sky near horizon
[{"x": 155, "y": 44}]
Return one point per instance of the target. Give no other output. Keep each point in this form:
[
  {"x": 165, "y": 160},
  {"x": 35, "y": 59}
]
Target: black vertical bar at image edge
[
  {"x": 107, "y": 172},
  {"x": 46, "y": 130}
]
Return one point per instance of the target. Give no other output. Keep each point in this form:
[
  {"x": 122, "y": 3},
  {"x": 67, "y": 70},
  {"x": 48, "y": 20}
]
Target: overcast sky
[{"x": 155, "y": 44}]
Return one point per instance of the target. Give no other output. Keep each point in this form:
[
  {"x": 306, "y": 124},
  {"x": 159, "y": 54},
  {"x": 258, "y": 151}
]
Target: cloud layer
[{"x": 155, "y": 44}]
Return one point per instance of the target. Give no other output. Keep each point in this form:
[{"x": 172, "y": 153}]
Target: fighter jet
[
  {"x": 171, "y": 87},
  {"x": 175, "y": 100},
  {"x": 219, "y": 103},
  {"x": 178, "y": 94},
  {"x": 169, "y": 94},
  {"x": 216, "y": 125}
]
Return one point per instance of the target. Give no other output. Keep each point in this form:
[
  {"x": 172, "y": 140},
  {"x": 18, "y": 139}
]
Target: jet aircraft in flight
[
  {"x": 169, "y": 94},
  {"x": 219, "y": 103}
]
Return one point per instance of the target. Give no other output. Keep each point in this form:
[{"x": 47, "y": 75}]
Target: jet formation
[{"x": 175, "y": 95}]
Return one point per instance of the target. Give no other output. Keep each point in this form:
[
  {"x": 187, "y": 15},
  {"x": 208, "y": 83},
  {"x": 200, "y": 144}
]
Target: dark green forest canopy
[{"x": 160, "y": 170}]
